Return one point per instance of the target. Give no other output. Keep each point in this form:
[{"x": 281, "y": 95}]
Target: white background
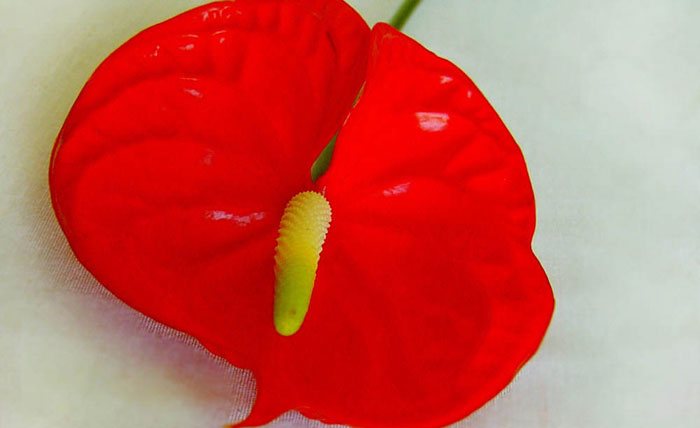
[{"x": 603, "y": 97}]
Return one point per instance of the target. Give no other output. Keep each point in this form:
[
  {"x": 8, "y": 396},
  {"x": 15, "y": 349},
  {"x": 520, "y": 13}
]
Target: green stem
[
  {"x": 324, "y": 160},
  {"x": 403, "y": 13},
  {"x": 397, "y": 21}
]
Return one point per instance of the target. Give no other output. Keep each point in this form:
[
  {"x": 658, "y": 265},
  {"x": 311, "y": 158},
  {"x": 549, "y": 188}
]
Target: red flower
[{"x": 173, "y": 169}]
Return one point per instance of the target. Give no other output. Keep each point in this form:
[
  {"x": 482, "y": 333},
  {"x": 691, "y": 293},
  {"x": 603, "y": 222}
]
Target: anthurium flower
[{"x": 399, "y": 289}]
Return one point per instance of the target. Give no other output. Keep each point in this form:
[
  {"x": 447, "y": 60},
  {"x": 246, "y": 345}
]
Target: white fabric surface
[{"x": 603, "y": 97}]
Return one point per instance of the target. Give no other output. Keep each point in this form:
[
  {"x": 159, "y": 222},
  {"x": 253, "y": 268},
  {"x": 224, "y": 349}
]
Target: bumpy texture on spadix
[
  {"x": 171, "y": 175},
  {"x": 301, "y": 236}
]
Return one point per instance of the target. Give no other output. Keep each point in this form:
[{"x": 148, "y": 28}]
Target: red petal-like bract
[{"x": 171, "y": 173}]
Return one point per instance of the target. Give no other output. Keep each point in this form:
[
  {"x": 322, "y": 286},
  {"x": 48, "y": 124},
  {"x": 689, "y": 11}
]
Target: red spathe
[{"x": 173, "y": 168}]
